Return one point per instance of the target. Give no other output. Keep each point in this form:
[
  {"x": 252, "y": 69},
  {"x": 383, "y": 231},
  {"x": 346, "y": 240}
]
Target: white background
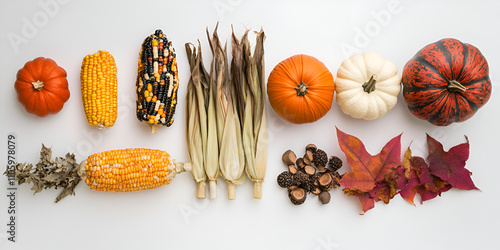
[{"x": 170, "y": 217}]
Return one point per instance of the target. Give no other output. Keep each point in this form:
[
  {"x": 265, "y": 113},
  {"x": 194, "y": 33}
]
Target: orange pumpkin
[
  {"x": 42, "y": 87},
  {"x": 301, "y": 89}
]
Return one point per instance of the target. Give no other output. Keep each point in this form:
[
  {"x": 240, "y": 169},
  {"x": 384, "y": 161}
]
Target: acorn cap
[
  {"x": 326, "y": 182},
  {"x": 285, "y": 179},
  {"x": 334, "y": 163},
  {"x": 308, "y": 157},
  {"x": 297, "y": 196},
  {"x": 320, "y": 158},
  {"x": 300, "y": 177},
  {"x": 316, "y": 190},
  {"x": 315, "y": 177},
  {"x": 310, "y": 170},
  {"x": 311, "y": 147},
  {"x": 300, "y": 163}
]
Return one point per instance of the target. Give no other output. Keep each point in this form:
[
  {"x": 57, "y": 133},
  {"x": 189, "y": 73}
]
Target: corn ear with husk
[
  {"x": 196, "y": 120},
  {"x": 253, "y": 113},
  {"x": 203, "y": 104},
  {"x": 231, "y": 153},
  {"x": 212, "y": 152}
]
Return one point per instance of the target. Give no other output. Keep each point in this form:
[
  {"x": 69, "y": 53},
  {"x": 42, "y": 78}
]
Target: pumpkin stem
[
  {"x": 301, "y": 89},
  {"x": 454, "y": 86},
  {"x": 369, "y": 86},
  {"x": 38, "y": 85}
]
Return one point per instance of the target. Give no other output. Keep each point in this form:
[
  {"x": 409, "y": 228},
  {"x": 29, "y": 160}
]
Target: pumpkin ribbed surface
[
  {"x": 42, "y": 87},
  {"x": 446, "y": 82},
  {"x": 310, "y": 77}
]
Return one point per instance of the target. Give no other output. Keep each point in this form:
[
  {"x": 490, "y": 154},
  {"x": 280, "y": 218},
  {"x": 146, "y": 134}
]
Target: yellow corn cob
[
  {"x": 129, "y": 170},
  {"x": 99, "y": 89}
]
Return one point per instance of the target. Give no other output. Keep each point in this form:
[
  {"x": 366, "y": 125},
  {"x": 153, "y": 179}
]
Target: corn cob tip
[
  {"x": 213, "y": 189},
  {"x": 257, "y": 190},
  {"x": 231, "y": 191},
  {"x": 154, "y": 128},
  {"x": 100, "y": 126},
  {"x": 201, "y": 190},
  {"x": 182, "y": 167}
]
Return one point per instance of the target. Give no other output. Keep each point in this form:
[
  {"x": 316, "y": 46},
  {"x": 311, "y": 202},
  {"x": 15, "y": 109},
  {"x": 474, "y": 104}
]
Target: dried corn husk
[
  {"x": 196, "y": 122},
  {"x": 231, "y": 153},
  {"x": 212, "y": 152},
  {"x": 254, "y": 117}
]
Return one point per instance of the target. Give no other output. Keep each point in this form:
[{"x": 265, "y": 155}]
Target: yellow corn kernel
[
  {"x": 99, "y": 89},
  {"x": 129, "y": 170}
]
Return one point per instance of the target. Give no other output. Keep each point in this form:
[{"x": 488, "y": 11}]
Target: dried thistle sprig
[{"x": 50, "y": 173}]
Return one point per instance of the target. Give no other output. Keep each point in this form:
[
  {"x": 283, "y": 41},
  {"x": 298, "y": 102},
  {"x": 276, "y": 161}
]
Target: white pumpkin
[{"x": 367, "y": 86}]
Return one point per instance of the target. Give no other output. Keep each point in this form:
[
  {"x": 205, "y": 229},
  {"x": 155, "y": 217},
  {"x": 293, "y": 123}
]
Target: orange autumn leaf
[{"x": 367, "y": 169}]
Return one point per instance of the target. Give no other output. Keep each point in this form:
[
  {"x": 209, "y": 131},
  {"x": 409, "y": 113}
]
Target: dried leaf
[
  {"x": 367, "y": 170},
  {"x": 450, "y": 166},
  {"x": 417, "y": 177}
]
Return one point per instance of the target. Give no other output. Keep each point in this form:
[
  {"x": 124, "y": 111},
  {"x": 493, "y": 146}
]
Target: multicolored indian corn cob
[
  {"x": 129, "y": 170},
  {"x": 99, "y": 89},
  {"x": 157, "y": 81}
]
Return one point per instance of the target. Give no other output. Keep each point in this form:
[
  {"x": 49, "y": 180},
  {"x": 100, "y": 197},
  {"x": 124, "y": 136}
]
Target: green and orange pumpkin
[{"x": 446, "y": 81}]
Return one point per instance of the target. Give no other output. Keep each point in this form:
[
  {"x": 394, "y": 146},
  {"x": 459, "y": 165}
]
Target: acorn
[
  {"x": 310, "y": 170},
  {"x": 336, "y": 179},
  {"x": 291, "y": 188},
  {"x": 289, "y": 157},
  {"x": 316, "y": 190},
  {"x": 292, "y": 169},
  {"x": 297, "y": 196},
  {"x": 315, "y": 177},
  {"x": 311, "y": 147},
  {"x": 334, "y": 163},
  {"x": 285, "y": 179},
  {"x": 308, "y": 157},
  {"x": 308, "y": 186},
  {"x": 320, "y": 158},
  {"x": 326, "y": 182},
  {"x": 324, "y": 197},
  {"x": 300, "y": 163}
]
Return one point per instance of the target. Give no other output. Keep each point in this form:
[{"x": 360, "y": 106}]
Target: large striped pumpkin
[{"x": 446, "y": 81}]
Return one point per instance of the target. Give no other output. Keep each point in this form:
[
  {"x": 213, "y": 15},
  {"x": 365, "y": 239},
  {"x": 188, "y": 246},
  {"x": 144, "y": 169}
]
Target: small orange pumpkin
[
  {"x": 42, "y": 87},
  {"x": 301, "y": 89}
]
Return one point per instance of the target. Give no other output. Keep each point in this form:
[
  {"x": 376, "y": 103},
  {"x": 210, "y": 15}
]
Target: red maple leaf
[
  {"x": 430, "y": 186},
  {"x": 450, "y": 166},
  {"x": 367, "y": 201},
  {"x": 366, "y": 169},
  {"x": 380, "y": 177}
]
